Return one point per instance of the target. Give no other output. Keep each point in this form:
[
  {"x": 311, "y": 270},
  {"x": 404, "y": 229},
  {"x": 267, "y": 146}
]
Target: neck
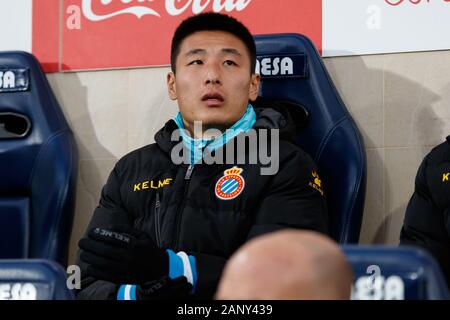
[{"x": 197, "y": 130}]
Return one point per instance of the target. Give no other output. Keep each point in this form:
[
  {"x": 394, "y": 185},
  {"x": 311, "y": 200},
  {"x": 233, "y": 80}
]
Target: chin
[
  {"x": 218, "y": 123},
  {"x": 212, "y": 120}
]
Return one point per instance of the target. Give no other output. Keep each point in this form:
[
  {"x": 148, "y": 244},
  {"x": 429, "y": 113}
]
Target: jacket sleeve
[
  {"x": 424, "y": 224},
  {"x": 108, "y": 212}
]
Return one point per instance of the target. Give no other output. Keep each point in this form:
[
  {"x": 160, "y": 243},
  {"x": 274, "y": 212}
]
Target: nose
[
  {"x": 212, "y": 75},
  {"x": 212, "y": 80}
]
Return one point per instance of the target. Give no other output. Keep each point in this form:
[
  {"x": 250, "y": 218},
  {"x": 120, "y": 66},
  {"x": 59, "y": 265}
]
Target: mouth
[{"x": 213, "y": 99}]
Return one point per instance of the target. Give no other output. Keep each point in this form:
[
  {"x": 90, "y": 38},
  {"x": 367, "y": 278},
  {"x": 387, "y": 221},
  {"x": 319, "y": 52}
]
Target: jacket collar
[{"x": 197, "y": 147}]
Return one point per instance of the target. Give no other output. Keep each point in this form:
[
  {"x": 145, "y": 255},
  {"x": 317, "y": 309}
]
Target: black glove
[
  {"x": 165, "y": 288},
  {"x": 123, "y": 255}
]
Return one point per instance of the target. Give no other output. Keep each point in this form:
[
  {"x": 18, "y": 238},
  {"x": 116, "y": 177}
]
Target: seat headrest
[
  {"x": 33, "y": 279},
  {"x": 279, "y": 66},
  {"x": 29, "y": 117},
  {"x": 14, "y": 79},
  {"x": 24, "y": 90},
  {"x": 395, "y": 273}
]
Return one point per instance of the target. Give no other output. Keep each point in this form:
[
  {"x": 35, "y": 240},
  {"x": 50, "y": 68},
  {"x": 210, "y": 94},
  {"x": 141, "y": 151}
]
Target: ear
[
  {"x": 254, "y": 87},
  {"x": 171, "y": 87}
]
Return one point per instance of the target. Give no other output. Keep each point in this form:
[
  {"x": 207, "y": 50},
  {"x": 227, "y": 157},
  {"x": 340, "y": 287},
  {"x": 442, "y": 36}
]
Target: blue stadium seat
[
  {"x": 38, "y": 166},
  {"x": 33, "y": 279},
  {"x": 395, "y": 273},
  {"x": 292, "y": 70}
]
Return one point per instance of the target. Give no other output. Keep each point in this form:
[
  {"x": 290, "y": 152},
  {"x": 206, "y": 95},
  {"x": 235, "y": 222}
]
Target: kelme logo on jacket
[
  {"x": 153, "y": 184},
  {"x": 316, "y": 183},
  {"x": 230, "y": 185}
]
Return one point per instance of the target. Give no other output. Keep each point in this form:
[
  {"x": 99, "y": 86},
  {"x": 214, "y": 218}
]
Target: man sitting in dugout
[
  {"x": 173, "y": 238},
  {"x": 427, "y": 217}
]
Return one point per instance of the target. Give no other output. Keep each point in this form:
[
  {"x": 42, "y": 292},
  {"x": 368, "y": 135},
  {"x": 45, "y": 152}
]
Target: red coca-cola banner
[
  {"x": 103, "y": 34},
  {"x": 45, "y": 33}
]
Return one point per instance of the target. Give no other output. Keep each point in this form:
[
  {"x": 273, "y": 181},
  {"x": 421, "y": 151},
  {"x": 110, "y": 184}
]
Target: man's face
[{"x": 213, "y": 82}]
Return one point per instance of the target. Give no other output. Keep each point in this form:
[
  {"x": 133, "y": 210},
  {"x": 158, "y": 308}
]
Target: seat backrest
[
  {"x": 292, "y": 70},
  {"x": 395, "y": 273},
  {"x": 38, "y": 164},
  {"x": 33, "y": 279}
]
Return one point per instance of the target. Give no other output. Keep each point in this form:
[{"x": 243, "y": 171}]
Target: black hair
[{"x": 211, "y": 21}]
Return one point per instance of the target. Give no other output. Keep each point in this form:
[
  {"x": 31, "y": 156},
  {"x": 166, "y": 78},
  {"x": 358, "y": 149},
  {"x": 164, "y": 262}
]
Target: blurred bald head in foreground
[{"x": 287, "y": 265}]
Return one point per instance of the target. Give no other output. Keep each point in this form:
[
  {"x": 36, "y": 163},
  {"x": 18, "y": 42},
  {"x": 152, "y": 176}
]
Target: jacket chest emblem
[{"x": 230, "y": 185}]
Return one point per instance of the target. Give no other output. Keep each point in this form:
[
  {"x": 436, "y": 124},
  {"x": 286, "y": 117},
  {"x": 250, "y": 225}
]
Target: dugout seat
[
  {"x": 292, "y": 70},
  {"x": 38, "y": 169}
]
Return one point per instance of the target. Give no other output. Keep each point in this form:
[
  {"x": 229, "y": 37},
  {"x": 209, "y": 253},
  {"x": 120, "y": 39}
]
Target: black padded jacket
[
  {"x": 427, "y": 218},
  {"x": 192, "y": 218}
]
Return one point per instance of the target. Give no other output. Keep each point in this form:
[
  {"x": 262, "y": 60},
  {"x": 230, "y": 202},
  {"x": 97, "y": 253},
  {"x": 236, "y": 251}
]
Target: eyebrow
[
  {"x": 203, "y": 51},
  {"x": 232, "y": 51},
  {"x": 194, "y": 52}
]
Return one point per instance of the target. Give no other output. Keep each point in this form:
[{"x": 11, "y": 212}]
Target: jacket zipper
[
  {"x": 157, "y": 220},
  {"x": 187, "y": 179},
  {"x": 189, "y": 172}
]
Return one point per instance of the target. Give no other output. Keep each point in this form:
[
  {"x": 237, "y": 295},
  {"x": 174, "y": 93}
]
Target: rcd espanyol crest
[{"x": 230, "y": 185}]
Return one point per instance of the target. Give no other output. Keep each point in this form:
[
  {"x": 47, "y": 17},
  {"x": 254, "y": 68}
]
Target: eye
[
  {"x": 195, "y": 62},
  {"x": 229, "y": 63}
]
